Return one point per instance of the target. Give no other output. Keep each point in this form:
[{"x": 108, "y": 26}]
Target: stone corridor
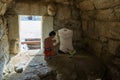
[{"x": 96, "y": 38}]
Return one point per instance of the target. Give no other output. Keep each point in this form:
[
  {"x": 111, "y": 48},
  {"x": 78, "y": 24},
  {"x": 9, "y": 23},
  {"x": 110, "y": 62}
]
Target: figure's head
[{"x": 52, "y": 33}]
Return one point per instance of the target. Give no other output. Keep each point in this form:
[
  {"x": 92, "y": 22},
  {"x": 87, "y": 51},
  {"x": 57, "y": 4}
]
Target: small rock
[
  {"x": 37, "y": 67},
  {"x": 31, "y": 77},
  {"x": 18, "y": 69},
  {"x": 33, "y": 65}
]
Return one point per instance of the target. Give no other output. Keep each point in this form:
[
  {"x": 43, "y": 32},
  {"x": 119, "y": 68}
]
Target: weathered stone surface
[
  {"x": 111, "y": 14},
  {"x": 101, "y": 29},
  {"x": 94, "y": 46},
  {"x": 30, "y": 8},
  {"x": 1, "y": 4},
  {"x": 4, "y": 47},
  {"x": 91, "y": 30},
  {"x": 20, "y": 9},
  {"x": 42, "y": 9},
  {"x": 2, "y": 63},
  {"x": 34, "y": 9},
  {"x": 64, "y": 12},
  {"x": 1, "y": 28},
  {"x": 18, "y": 69},
  {"x": 113, "y": 47},
  {"x": 106, "y": 15},
  {"x": 51, "y": 9},
  {"x": 102, "y": 4},
  {"x": 75, "y": 13},
  {"x": 14, "y": 46},
  {"x": 88, "y": 15},
  {"x": 3, "y": 9},
  {"x": 4, "y": 53},
  {"x": 31, "y": 76},
  {"x": 108, "y": 29},
  {"x": 6, "y": 1},
  {"x": 86, "y": 5},
  {"x": 117, "y": 12},
  {"x": 58, "y": 25}
]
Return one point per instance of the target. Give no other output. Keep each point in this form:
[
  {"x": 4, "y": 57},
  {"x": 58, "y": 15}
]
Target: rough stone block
[
  {"x": 14, "y": 49},
  {"x": 51, "y": 9},
  {"x": 102, "y": 4},
  {"x": 30, "y": 8},
  {"x": 64, "y": 12},
  {"x": 1, "y": 31},
  {"x": 108, "y": 29},
  {"x": 117, "y": 12},
  {"x": 106, "y": 15},
  {"x": 111, "y": 14},
  {"x": 3, "y": 9},
  {"x": 13, "y": 28},
  {"x": 42, "y": 9},
  {"x": 88, "y": 15},
  {"x": 18, "y": 69},
  {"x": 2, "y": 62},
  {"x": 86, "y": 5},
  {"x": 34, "y": 8},
  {"x": 31, "y": 77},
  {"x": 22, "y": 8},
  {"x": 113, "y": 46},
  {"x": 1, "y": 4},
  {"x": 4, "y": 53}
]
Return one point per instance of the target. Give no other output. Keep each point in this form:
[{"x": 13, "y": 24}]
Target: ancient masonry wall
[
  {"x": 4, "y": 45},
  {"x": 101, "y": 26},
  {"x": 101, "y": 32}
]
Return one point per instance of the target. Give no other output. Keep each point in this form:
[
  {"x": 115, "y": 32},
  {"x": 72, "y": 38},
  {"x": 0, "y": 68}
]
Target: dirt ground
[{"x": 60, "y": 67}]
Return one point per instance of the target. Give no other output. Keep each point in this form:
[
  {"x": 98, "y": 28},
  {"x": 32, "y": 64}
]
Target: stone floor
[{"x": 82, "y": 66}]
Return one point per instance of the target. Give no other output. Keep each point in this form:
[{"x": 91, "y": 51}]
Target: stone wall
[
  {"x": 101, "y": 32},
  {"x": 101, "y": 25},
  {"x": 4, "y": 46}
]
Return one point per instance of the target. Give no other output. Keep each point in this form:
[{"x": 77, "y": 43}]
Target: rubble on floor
[{"x": 59, "y": 67}]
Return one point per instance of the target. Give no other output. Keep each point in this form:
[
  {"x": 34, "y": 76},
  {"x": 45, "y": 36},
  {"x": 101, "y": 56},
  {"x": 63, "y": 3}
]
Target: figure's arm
[{"x": 56, "y": 39}]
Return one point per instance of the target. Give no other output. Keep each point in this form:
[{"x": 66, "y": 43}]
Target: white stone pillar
[{"x": 65, "y": 39}]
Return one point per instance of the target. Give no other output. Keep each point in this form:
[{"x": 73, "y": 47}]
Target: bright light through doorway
[{"x": 30, "y": 28}]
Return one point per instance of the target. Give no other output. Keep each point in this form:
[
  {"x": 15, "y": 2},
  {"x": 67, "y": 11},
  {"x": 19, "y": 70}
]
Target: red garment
[
  {"x": 48, "y": 45},
  {"x": 48, "y": 53}
]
